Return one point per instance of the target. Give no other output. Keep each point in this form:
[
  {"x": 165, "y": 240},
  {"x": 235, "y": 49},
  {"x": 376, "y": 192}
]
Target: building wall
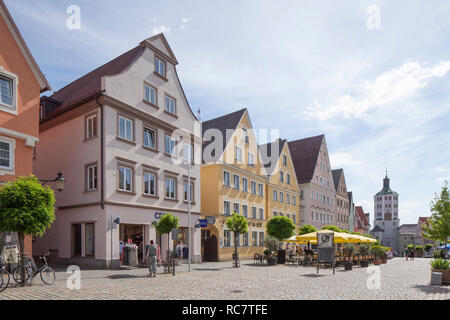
[
  {"x": 326, "y": 188},
  {"x": 290, "y": 209},
  {"x": 19, "y": 125},
  {"x": 342, "y": 205},
  {"x": 213, "y": 179}
]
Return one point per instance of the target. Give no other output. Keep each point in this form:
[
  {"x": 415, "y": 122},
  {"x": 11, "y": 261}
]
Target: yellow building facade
[
  {"x": 233, "y": 180},
  {"x": 283, "y": 192}
]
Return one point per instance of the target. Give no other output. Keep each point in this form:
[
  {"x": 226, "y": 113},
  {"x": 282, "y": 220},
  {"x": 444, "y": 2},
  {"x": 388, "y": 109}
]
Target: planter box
[
  {"x": 383, "y": 261},
  {"x": 364, "y": 264},
  {"x": 348, "y": 266},
  {"x": 376, "y": 262},
  {"x": 445, "y": 275}
]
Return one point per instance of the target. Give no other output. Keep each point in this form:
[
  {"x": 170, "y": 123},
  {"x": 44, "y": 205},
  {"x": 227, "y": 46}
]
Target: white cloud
[
  {"x": 441, "y": 169},
  {"x": 161, "y": 29},
  {"x": 184, "y": 22},
  {"x": 443, "y": 179},
  {"x": 393, "y": 85}
]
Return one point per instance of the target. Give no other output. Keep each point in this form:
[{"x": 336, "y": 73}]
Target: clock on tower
[{"x": 387, "y": 216}]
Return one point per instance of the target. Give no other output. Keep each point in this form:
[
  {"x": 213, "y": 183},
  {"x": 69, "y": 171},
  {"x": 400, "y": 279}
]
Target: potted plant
[
  {"x": 272, "y": 245},
  {"x": 378, "y": 252},
  {"x": 364, "y": 251},
  {"x": 442, "y": 266},
  {"x": 418, "y": 250},
  {"x": 348, "y": 251}
]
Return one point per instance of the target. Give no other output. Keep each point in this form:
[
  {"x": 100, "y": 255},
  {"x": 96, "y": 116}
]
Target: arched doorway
[{"x": 210, "y": 249}]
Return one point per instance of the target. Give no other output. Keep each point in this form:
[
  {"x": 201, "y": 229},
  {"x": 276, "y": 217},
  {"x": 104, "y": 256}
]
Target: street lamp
[{"x": 59, "y": 181}]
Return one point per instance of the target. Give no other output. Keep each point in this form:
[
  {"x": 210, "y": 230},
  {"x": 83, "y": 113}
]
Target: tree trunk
[
  {"x": 235, "y": 248},
  {"x": 22, "y": 260}
]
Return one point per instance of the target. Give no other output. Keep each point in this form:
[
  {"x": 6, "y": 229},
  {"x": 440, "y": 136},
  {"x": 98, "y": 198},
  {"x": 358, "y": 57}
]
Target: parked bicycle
[
  {"x": 4, "y": 276},
  {"x": 47, "y": 273}
]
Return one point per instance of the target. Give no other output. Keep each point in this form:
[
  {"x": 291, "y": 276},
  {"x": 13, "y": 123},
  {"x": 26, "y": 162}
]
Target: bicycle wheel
[
  {"x": 4, "y": 274},
  {"x": 48, "y": 275},
  {"x": 17, "y": 276}
]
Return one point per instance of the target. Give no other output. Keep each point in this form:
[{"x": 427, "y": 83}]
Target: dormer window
[{"x": 160, "y": 67}]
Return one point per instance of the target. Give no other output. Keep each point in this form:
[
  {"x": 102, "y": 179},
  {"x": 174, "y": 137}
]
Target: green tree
[
  {"x": 438, "y": 226},
  {"x": 281, "y": 228},
  {"x": 28, "y": 208},
  {"x": 237, "y": 223},
  {"x": 306, "y": 229},
  {"x": 165, "y": 224},
  {"x": 332, "y": 228}
]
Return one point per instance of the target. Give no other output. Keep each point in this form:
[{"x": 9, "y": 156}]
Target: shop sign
[
  {"x": 158, "y": 215},
  {"x": 202, "y": 223},
  {"x": 211, "y": 220}
]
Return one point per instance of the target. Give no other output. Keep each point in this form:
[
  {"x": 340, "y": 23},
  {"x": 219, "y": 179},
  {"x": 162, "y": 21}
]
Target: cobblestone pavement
[{"x": 400, "y": 279}]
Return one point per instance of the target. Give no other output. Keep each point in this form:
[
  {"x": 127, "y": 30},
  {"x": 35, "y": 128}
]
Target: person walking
[
  {"x": 412, "y": 254},
  {"x": 152, "y": 259}
]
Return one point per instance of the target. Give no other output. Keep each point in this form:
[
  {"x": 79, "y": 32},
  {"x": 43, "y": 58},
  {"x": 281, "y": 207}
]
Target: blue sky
[{"x": 381, "y": 96}]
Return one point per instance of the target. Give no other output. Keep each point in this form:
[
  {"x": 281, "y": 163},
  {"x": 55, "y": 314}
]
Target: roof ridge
[{"x": 225, "y": 115}]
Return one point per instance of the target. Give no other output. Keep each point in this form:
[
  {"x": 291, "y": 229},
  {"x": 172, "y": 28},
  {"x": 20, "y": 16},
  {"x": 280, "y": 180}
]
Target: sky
[{"x": 373, "y": 76}]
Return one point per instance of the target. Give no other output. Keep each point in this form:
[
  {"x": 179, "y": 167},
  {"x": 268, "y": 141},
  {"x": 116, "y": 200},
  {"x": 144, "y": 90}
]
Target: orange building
[{"x": 21, "y": 83}]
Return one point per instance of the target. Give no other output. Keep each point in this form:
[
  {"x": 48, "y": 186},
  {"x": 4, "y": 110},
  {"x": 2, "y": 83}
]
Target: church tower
[{"x": 386, "y": 218}]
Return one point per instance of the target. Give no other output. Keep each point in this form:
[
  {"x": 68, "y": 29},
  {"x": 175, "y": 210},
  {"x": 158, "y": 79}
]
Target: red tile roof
[
  {"x": 91, "y": 83},
  {"x": 361, "y": 218},
  {"x": 304, "y": 153}
]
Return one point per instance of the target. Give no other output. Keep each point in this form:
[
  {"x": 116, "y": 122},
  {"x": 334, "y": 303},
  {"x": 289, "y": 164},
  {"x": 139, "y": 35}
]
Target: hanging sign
[{"x": 202, "y": 223}]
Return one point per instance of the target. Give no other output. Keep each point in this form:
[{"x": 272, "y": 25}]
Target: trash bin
[{"x": 281, "y": 256}]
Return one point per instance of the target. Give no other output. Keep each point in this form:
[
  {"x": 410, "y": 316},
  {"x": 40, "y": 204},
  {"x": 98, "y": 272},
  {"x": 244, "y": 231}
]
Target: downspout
[{"x": 102, "y": 156}]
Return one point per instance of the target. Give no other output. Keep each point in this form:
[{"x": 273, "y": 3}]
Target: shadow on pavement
[{"x": 432, "y": 289}]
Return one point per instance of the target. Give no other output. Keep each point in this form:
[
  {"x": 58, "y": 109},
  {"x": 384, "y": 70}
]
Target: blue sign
[
  {"x": 158, "y": 215},
  {"x": 202, "y": 223}
]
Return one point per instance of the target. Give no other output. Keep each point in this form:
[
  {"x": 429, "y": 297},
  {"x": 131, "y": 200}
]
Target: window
[
  {"x": 170, "y": 145},
  {"x": 160, "y": 67},
  {"x": 149, "y": 94},
  {"x": 251, "y": 160},
  {"x": 125, "y": 179},
  {"x": 244, "y": 134},
  {"x": 91, "y": 175},
  {"x": 261, "y": 189},
  {"x": 281, "y": 197},
  {"x": 226, "y": 208},
  {"x": 312, "y": 215},
  {"x": 284, "y": 160},
  {"x": 6, "y": 154},
  {"x": 261, "y": 214},
  {"x": 236, "y": 208},
  {"x": 149, "y": 138},
  {"x": 294, "y": 200},
  {"x": 226, "y": 238},
  {"x": 238, "y": 154},
  {"x": 274, "y": 213},
  {"x": 245, "y": 239},
  {"x": 236, "y": 181},
  {"x": 294, "y": 218},
  {"x": 226, "y": 179},
  {"x": 125, "y": 128},
  {"x": 301, "y": 194},
  {"x": 253, "y": 212},
  {"x": 288, "y": 178},
  {"x": 281, "y": 176},
  {"x": 275, "y": 195},
  {"x": 7, "y": 91},
  {"x": 170, "y": 105},
  {"x": 187, "y": 152},
  {"x": 245, "y": 184},
  {"x": 261, "y": 239},
  {"x": 254, "y": 238},
  {"x": 253, "y": 186},
  {"x": 186, "y": 191},
  {"x": 238, "y": 240},
  {"x": 149, "y": 184},
  {"x": 288, "y": 199},
  {"x": 91, "y": 126},
  {"x": 170, "y": 188},
  {"x": 245, "y": 210}
]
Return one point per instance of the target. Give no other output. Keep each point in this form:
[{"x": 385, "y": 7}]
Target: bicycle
[{"x": 46, "y": 273}]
